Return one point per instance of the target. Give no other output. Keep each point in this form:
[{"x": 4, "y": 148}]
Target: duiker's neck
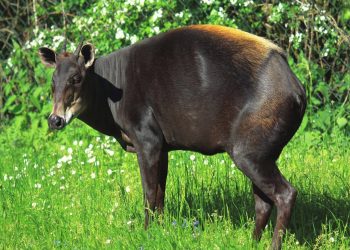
[
  {"x": 113, "y": 67},
  {"x": 97, "y": 91}
]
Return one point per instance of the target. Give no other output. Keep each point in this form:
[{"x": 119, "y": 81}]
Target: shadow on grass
[
  {"x": 319, "y": 213},
  {"x": 312, "y": 215}
]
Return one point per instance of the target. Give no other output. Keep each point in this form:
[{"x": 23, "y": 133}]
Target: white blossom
[
  {"x": 92, "y": 160},
  {"x": 70, "y": 151},
  {"x": 134, "y": 39},
  {"x": 208, "y": 2},
  {"x": 110, "y": 152},
  {"x": 157, "y": 14},
  {"x": 119, "y": 34}
]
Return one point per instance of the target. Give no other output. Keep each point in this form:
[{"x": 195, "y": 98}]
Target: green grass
[{"x": 57, "y": 192}]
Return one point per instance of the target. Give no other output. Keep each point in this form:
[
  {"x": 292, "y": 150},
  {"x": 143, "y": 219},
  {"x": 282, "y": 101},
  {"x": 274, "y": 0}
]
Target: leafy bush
[{"x": 315, "y": 35}]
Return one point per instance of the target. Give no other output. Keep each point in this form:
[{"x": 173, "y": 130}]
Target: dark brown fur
[{"x": 203, "y": 88}]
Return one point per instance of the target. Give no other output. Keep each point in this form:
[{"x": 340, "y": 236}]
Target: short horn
[{"x": 77, "y": 51}]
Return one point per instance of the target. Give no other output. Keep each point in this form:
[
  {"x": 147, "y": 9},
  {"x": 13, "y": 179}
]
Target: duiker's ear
[
  {"x": 47, "y": 56},
  {"x": 88, "y": 53}
]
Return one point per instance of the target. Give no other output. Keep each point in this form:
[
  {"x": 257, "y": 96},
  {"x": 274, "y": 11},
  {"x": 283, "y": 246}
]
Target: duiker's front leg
[
  {"x": 153, "y": 169},
  {"x": 148, "y": 141}
]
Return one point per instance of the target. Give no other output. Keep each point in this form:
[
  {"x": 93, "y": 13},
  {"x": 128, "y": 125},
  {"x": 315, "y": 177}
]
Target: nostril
[{"x": 58, "y": 122}]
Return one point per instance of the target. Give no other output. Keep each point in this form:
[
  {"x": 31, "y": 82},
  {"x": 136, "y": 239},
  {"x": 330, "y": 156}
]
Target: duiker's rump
[{"x": 204, "y": 88}]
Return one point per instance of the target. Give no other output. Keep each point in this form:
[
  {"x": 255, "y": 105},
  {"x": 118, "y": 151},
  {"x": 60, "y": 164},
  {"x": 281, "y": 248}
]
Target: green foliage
[{"x": 318, "y": 45}]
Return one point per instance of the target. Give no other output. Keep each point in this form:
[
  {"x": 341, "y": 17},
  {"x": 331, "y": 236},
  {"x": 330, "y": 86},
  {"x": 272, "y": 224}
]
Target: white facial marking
[{"x": 68, "y": 116}]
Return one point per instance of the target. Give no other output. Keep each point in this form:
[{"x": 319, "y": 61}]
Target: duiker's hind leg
[
  {"x": 268, "y": 179},
  {"x": 263, "y": 208}
]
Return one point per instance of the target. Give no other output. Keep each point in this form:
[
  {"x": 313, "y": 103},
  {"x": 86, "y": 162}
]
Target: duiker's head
[{"x": 67, "y": 82}]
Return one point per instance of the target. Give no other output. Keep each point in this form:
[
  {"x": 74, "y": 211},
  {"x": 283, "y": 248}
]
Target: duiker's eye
[{"x": 77, "y": 78}]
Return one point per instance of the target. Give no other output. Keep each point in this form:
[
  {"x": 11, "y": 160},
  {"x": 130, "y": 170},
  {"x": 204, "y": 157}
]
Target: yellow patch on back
[{"x": 254, "y": 47}]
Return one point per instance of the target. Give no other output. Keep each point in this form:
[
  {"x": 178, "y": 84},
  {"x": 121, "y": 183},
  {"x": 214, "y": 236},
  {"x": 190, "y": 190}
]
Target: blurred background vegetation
[{"x": 315, "y": 34}]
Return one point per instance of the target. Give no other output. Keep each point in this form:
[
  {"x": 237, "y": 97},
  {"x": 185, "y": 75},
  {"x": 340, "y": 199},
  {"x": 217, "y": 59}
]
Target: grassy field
[{"x": 76, "y": 189}]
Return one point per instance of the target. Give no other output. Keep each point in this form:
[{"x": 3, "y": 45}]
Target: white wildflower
[
  {"x": 208, "y": 2},
  {"x": 37, "y": 185},
  {"x": 110, "y": 152},
  {"x": 103, "y": 11},
  {"x": 134, "y": 39},
  {"x": 247, "y": 3},
  {"x": 156, "y": 29},
  {"x": 119, "y": 34},
  {"x": 34, "y": 204},
  {"x": 109, "y": 171},
  {"x": 65, "y": 159},
  {"x": 280, "y": 7},
  {"x": 192, "y": 157},
  {"x": 92, "y": 160},
  {"x": 90, "y": 20},
  {"x": 180, "y": 14},
  {"x": 221, "y": 12},
  {"x": 127, "y": 189},
  {"x": 70, "y": 151},
  {"x": 305, "y": 6},
  {"x": 157, "y": 14},
  {"x": 93, "y": 175}
]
